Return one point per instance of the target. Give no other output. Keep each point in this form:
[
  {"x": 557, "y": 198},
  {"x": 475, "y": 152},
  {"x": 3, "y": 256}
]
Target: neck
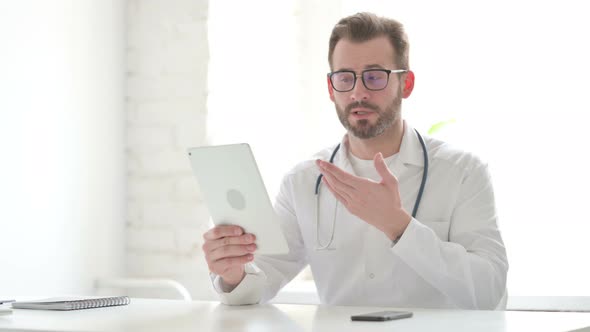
[{"x": 387, "y": 143}]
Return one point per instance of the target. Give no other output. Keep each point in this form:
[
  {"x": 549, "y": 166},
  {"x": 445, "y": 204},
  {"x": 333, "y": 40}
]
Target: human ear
[
  {"x": 408, "y": 84},
  {"x": 330, "y": 89}
]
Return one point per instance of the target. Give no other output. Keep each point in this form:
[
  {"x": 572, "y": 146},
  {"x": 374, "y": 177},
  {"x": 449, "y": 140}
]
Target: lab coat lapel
[
  {"x": 398, "y": 168},
  {"x": 410, "y": 154}
]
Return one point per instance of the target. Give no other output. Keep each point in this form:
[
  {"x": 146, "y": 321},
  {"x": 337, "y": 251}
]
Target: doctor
[{"x": 397, "y": 219}]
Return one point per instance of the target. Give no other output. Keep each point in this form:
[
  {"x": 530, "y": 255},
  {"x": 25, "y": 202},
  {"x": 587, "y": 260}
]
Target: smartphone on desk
[{"x": 382, "y": 316}]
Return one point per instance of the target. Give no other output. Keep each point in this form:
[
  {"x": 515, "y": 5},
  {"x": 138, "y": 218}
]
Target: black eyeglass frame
[{"x": 362, "y": 76}]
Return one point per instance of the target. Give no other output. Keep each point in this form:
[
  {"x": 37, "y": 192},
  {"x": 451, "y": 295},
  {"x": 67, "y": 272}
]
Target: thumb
[{"x": 383, "y": 170}]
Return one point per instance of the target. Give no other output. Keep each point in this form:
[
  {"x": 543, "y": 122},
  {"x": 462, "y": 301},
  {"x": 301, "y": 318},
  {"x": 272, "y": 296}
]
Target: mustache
[{"x": 362, "y": 104}]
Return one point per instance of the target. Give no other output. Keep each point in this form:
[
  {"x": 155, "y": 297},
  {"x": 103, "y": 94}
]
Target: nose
[{"x": 359, "y": 92}]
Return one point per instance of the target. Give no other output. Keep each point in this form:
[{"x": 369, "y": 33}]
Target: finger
[
  {"x": 231, "y": 251},
  {"x": 338, "y": 173},
  {"x": 221, "y": 266},
  {"x": 340, "y": 186},
  {"x": 386, "y": 174},
  {"x": 220, "y": 231},
  {"x": 211, "y": 245},
  {"x": 334, "y": 192},
  {"x": 230, "y": 263}
]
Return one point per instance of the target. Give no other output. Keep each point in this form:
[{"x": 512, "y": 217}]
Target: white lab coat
[{"x": 450, "y": 256}]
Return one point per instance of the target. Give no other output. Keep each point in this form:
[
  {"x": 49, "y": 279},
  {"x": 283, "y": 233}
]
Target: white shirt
[{"x": 450, "y": 256}]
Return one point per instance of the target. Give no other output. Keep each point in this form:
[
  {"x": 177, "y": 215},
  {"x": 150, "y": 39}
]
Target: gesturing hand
[{"x": 377, "y": 203}]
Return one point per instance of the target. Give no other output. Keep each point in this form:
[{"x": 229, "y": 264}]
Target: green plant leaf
[{"x": 439, "y": 125}]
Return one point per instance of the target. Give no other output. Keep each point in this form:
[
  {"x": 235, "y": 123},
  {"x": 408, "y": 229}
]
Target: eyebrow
[
  {"x": 371, "y": 66},
  {"x": 374, "y": 66}
]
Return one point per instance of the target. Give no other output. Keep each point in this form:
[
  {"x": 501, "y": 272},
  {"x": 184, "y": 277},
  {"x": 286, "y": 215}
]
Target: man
[{"x": 366, "y": 248}]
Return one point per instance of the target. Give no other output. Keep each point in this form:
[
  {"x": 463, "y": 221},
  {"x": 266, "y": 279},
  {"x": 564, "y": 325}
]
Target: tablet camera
[{"x": 236, "y": 199}]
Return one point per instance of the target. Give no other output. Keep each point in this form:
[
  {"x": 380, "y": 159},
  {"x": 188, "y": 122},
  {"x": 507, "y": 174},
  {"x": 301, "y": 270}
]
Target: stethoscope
[{"x": 317, "y": 194}]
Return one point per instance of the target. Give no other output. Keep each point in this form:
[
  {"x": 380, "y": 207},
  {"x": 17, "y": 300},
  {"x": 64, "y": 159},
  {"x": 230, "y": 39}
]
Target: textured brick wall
[{"x": 167, "y": 59}]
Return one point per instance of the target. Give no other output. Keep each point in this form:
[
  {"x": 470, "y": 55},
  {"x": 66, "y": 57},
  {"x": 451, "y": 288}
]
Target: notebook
[{"x": 70, "y": 303}]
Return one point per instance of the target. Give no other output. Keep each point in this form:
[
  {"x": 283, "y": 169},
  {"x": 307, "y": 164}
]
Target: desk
[{"x": 169, "y": 315}]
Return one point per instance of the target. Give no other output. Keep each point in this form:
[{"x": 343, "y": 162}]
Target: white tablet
[{"x": 235, "y": 193}]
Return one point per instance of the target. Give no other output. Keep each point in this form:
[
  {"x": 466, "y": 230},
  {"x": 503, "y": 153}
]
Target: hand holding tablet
[{"x": 227, "y": 249}]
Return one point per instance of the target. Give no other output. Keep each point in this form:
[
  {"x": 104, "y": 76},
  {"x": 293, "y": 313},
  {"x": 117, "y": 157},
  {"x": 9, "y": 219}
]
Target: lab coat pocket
[{"x": 439, "y": 226}]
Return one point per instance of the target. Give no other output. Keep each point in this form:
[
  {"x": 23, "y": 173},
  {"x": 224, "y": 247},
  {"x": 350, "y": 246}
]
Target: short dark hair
[{"x": 362, "y": 27}]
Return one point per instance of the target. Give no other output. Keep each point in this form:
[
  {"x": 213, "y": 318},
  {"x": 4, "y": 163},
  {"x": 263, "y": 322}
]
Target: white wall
[
  {"x": 62, "y": 145},
  {"x": 167, "y": 56}
]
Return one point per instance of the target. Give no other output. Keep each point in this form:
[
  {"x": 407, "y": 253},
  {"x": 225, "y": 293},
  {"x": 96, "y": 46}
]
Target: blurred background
[{"x": 99, "y": 100}]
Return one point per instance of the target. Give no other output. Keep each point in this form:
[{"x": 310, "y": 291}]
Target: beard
[{"x": 363, "y": 128}]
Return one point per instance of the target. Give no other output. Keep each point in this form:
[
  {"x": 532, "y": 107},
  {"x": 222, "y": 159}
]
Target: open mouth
[{"x": 361, "y": 112}]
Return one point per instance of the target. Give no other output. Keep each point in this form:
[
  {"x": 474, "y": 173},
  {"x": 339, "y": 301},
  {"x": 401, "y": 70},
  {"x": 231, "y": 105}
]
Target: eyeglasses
[{"x": 373, "y": 79}]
